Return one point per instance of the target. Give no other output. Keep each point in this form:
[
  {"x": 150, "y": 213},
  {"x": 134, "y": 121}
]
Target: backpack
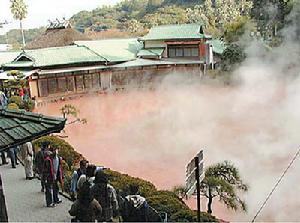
[{"x": 136, "y": 209}]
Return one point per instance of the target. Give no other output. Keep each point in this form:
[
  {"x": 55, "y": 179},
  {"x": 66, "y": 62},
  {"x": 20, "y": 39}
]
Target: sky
[{"x": 40, "y": 11}]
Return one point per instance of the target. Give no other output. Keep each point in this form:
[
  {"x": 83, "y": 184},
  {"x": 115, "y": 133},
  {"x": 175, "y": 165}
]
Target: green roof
[
  {"x": 170, "y": 32},
  {"x": 18, "y": 127},
  {"x": 6, "y": 57},
  {"x": 19, "y": 64},
  {"x": 218, "y": 46},
  {"x": 54, "y": 56},
  {"x": 114, "y": 50},
  {"x": 151, "y": 52}
]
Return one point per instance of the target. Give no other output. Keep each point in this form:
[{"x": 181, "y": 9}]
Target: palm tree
[
  {"x": 222, "y": 180},
  {"x": 19, "y": 10}
]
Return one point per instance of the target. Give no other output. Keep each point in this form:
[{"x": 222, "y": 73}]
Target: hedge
[{"x": 162, "y": 201}]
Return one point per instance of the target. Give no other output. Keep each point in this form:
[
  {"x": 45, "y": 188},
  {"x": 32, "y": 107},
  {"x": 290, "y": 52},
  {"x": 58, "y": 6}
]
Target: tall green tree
[
  {"x": 215, "y": 15},
  {"x": 223, "y": 181},
  {"x": 19, "y": 11}
]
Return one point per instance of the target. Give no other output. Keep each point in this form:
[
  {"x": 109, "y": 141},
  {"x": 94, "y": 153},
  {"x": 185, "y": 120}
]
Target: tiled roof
[
  {"x": 18, "y": 127},
  {"x": 114, "y": 50},
  {"x": 168, "y": 32},
  {"x": 54, "y": 56}
]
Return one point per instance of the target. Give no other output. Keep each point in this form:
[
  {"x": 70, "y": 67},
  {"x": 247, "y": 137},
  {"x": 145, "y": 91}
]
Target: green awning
[
  {"x": 151, "y": 52},
  {"x": 18, "y": 127}
]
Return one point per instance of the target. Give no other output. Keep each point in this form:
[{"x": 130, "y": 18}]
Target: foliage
[
  {"x": 17, "y": 82},
  {"x": 181, "y": 192},
  {"x": 27, "y": 105},
  {"x": 235, "y": 29},
  {"x": 166, "y": 15},
  {"x": 216, "y": 15},
  {"x": 162, "y": 201},
  {"x": 18, "y": 9},
  {"x": 271, "y": 16},
  {"x": 71, "y": 110},
  {"x": 66, "y": 151},
  {"x": 232, "y": 57},
  {"x": 16, "y": 100},
  {"x": 14, "y": 36},
  {"x": 13, "y": 106},
  {"x": 222, "y": 180},
  {"x": 134, "y": 26}
]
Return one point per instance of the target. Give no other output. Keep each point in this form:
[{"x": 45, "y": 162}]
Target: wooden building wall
[{"x": 51, "y": 85}]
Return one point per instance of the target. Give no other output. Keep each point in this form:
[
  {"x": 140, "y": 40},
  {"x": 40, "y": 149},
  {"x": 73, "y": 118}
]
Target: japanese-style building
[{"x": 114, "y": 64}]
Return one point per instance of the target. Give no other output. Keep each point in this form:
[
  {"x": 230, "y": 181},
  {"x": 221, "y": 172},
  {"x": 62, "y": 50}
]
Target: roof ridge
[
  {"x": 95, "y": 53},
  {"x": 20, "y": 113},
  {"x": 184, "y": 24}
]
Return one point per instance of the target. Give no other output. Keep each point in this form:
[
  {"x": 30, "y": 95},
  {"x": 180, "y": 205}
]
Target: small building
[
  {"x": 186, "y": 41},
  {"x": 113, "y": 64}
]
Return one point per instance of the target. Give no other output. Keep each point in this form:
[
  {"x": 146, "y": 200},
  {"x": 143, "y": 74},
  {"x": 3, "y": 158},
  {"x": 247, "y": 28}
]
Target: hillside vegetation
[{"x": 134, "y": 17}]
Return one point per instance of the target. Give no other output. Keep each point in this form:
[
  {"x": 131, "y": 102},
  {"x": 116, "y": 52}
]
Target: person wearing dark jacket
[
  {"x": 85, "y": 208},
  {"x": 136, "y": 206},
  {"x": 53, "y": 174},
  {"x": 39, "y": 163},
  {"x": 105, "y": 194}
]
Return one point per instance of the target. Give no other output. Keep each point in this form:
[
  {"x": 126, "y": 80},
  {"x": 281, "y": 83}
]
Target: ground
[{"x": 25, "y": 202}]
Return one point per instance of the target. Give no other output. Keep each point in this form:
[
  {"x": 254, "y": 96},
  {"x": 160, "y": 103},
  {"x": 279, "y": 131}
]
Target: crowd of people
[{"x": 95, "y": 199}]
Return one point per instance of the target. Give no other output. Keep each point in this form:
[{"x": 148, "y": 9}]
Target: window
[
  {"x": 62, "y": 84},
  {"x": 195, "y": 52},
  {"x": 179, "y": 52},
  {"x": 70, "y": 83},
  {"x": 187, "y": 52},
  {"x": 96, "y": 82},
  {"x": 79, "y": 83},
  {"x": 52, "y": 85},
  {"x": 88, "y": 81},
  {"x": 172, "y": 52},
  {"x": 183, "y": 51},
  {"x": 43, "y": 87}
]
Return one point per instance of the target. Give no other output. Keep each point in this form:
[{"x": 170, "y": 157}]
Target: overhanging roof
[
  {"x": 55, "y": 56},
  {"x": 18, "y": 127}
]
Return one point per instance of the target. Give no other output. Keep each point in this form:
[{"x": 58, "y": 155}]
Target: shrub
[
  {"x": 13, "y": 106},
  {"x": 66, "y": 151},
  {"x": 17, "y": 100},
  {"x": 27, "y": 104},
  {"x": 162, "y": 201}
]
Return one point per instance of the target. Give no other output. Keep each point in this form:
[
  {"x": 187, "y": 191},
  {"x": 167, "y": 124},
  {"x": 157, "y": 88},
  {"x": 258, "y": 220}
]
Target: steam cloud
[{"x": 255, "y": 124}]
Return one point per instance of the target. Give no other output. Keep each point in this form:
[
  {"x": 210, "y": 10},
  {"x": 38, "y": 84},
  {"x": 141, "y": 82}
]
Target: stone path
[{"x": 25, "y": 202}]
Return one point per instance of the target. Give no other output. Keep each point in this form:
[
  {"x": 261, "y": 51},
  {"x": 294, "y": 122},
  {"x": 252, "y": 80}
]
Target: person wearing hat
[
  {"x": 105, "y": 194},
  {"x": 53, "y": 174}
]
